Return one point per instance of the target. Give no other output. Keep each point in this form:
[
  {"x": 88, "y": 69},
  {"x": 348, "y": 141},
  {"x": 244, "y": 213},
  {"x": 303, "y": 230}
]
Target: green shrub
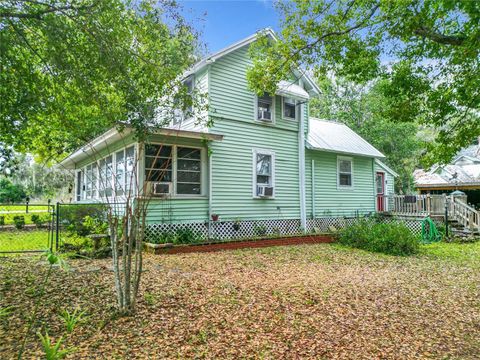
[
  {"x": 154, "y": 237},
  {"x": 180, "y": 236},
  {"x": 187, "y": 236},
  {"x": 260, "y": 230},
  {"x": 40, "y": 220},
  {"x": 95, "y": 225},
  {"x": 2, "y": 220},
  {"x": 19, "y": 221},
  {"x": 368, "y": 234},
  {"x": 73, "y": 216}
]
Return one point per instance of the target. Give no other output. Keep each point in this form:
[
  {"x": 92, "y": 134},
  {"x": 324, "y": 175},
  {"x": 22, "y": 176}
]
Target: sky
[{"x": 223, "y": 22}]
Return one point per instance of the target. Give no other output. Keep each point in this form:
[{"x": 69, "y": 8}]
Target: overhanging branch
[
  {"x": 38, "y": 14},
  {"x": 426, "y": 33}
]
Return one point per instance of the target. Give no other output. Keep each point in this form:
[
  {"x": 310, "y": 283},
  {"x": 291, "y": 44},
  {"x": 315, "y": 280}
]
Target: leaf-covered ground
[{"x": 306, "y": 301}]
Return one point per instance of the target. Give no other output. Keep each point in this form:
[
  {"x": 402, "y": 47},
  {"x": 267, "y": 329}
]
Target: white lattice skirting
[{"x": 248, "y": 229}]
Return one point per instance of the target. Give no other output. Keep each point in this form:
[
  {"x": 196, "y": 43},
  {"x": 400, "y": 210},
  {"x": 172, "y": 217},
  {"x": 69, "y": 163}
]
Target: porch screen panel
[
  {"x": 158, "y": 163},
  {"x": 106, "y": 176},
  {"x": 119, "y": 173},
  {"x": 189, "y": 166},
  {"x": 129, "y": 169}
]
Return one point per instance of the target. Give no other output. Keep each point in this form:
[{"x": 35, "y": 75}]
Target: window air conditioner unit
[
  {"x": 160, "y": 188},
  {"x": 264, "y": 115},
  {"x": 264, "y": 191}
]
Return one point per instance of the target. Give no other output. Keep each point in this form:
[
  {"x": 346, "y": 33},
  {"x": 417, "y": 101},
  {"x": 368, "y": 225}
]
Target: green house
[{"x": 265, "y": 166}]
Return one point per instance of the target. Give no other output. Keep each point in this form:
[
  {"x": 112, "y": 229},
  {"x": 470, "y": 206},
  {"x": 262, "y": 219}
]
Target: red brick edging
[{"x": 312, "y": 239}]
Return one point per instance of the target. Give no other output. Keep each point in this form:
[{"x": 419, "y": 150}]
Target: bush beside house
[{"x": 368, "y": 234}]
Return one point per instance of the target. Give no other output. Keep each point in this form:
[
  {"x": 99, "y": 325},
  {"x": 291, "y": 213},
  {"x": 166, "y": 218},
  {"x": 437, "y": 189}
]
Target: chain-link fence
[
  {"x": 83, "y": 227},
  {"x": 25, "y": 228}
]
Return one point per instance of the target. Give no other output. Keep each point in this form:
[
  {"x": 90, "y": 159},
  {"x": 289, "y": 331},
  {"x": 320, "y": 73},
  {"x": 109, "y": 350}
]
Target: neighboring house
[
  {"x": 463, "y": 174},
  {"x": 264, "y": 160}
]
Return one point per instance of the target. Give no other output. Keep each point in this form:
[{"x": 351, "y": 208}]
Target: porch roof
[{"x": 114, "y": 135}]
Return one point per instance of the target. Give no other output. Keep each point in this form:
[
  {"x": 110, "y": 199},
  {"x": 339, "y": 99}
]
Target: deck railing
[
  {"x": 465, "y": 214},
  {"x": 432, "y": 205},
  {"x": 412, "y": 204}
]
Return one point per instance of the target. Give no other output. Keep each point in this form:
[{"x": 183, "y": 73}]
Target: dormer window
[
  {"x": 265, "y": 108},
  {"x": 289, "y": 109}
]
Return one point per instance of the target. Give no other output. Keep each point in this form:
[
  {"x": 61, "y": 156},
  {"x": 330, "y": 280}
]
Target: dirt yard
[{"x": 306, "y": 301}]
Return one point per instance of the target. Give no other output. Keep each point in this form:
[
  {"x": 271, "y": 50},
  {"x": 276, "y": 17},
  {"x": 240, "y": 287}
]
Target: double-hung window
[
  {"x": 345, "y": 172},
  {"x": 178, "y": 165},
  {"x": 189, "y": 166},
  {"x": 158, "y": 163},
  {"x": 264, "y": 173},
  {"x": 265, "y": 106},
  {"x": 289, "y": 109},
  {"x": 187, "y": 111}
]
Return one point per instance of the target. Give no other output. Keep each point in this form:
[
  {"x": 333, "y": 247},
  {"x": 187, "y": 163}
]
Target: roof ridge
[{"x": 330, "y": 121}]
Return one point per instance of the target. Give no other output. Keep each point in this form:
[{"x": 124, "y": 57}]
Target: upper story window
[
  {"x": 289, "y": 108},
  {"x": 265, "y": 108},
  {"x": 187, "y": 113},
  {"x": 345, "y": 172},
  {"x": 264, "y": 173}
]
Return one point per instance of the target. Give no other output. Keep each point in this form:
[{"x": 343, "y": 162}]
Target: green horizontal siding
[
  {"x": 229, "y": 95},
  {"x": 177, "y": 210},
  {"x": 233, "y": 172},
  {"x": 329, "y": 200}
]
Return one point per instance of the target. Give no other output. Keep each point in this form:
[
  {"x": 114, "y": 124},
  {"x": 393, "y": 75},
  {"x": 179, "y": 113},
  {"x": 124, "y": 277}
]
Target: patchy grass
[
  {"x": 306, "y": 301},
  {"x": 23, "y": 240}
]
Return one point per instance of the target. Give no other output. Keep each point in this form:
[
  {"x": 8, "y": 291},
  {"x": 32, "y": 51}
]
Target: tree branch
[
  {"x": 40, "y": 13},
  {"x": 439, "y": 38}
]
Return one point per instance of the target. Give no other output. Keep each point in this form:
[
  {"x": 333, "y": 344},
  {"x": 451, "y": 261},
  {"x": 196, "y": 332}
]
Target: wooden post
[{"x": 470, "y": 221}]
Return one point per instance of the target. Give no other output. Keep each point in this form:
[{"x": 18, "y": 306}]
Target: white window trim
[
  {"x": 255, "y": 111},
  {"x": 296, "y": 110},
  {"x": 345, "y": 158},
  {"x": 254, "y": 173},
  {"x": 203, "y": 171}
]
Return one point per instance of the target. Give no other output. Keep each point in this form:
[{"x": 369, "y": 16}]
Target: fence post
[
  {"x": 48, "y": 204},
  {"x": 446, "y": 216},
  {"x": 56, "y": 225},
  {"x": 27, "y": 200}
]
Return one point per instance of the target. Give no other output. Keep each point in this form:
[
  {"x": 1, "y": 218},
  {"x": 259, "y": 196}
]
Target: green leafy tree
[
  {"x": 72, "y": 69},
  {"x": 11, "y": 193},
  {"x": 426, "y": 51},
  {"x": 361, "y": 107}
]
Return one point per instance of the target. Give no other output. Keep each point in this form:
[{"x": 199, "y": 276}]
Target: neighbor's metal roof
[{"x": 336, "y": 137}]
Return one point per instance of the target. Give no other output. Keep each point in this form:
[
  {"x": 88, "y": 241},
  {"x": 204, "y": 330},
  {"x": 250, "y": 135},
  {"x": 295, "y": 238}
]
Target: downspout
[
  {"x": 313, "y": 189},
  {"x": 301, "y": 167},
  {"x": 210, "y": 195},
  {"x": 210, "y": 161},
  {"x": 374, "y": 174}
]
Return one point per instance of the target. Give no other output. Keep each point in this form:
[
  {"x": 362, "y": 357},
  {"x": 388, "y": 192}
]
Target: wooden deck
[{"x": 434, "y": 206}]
